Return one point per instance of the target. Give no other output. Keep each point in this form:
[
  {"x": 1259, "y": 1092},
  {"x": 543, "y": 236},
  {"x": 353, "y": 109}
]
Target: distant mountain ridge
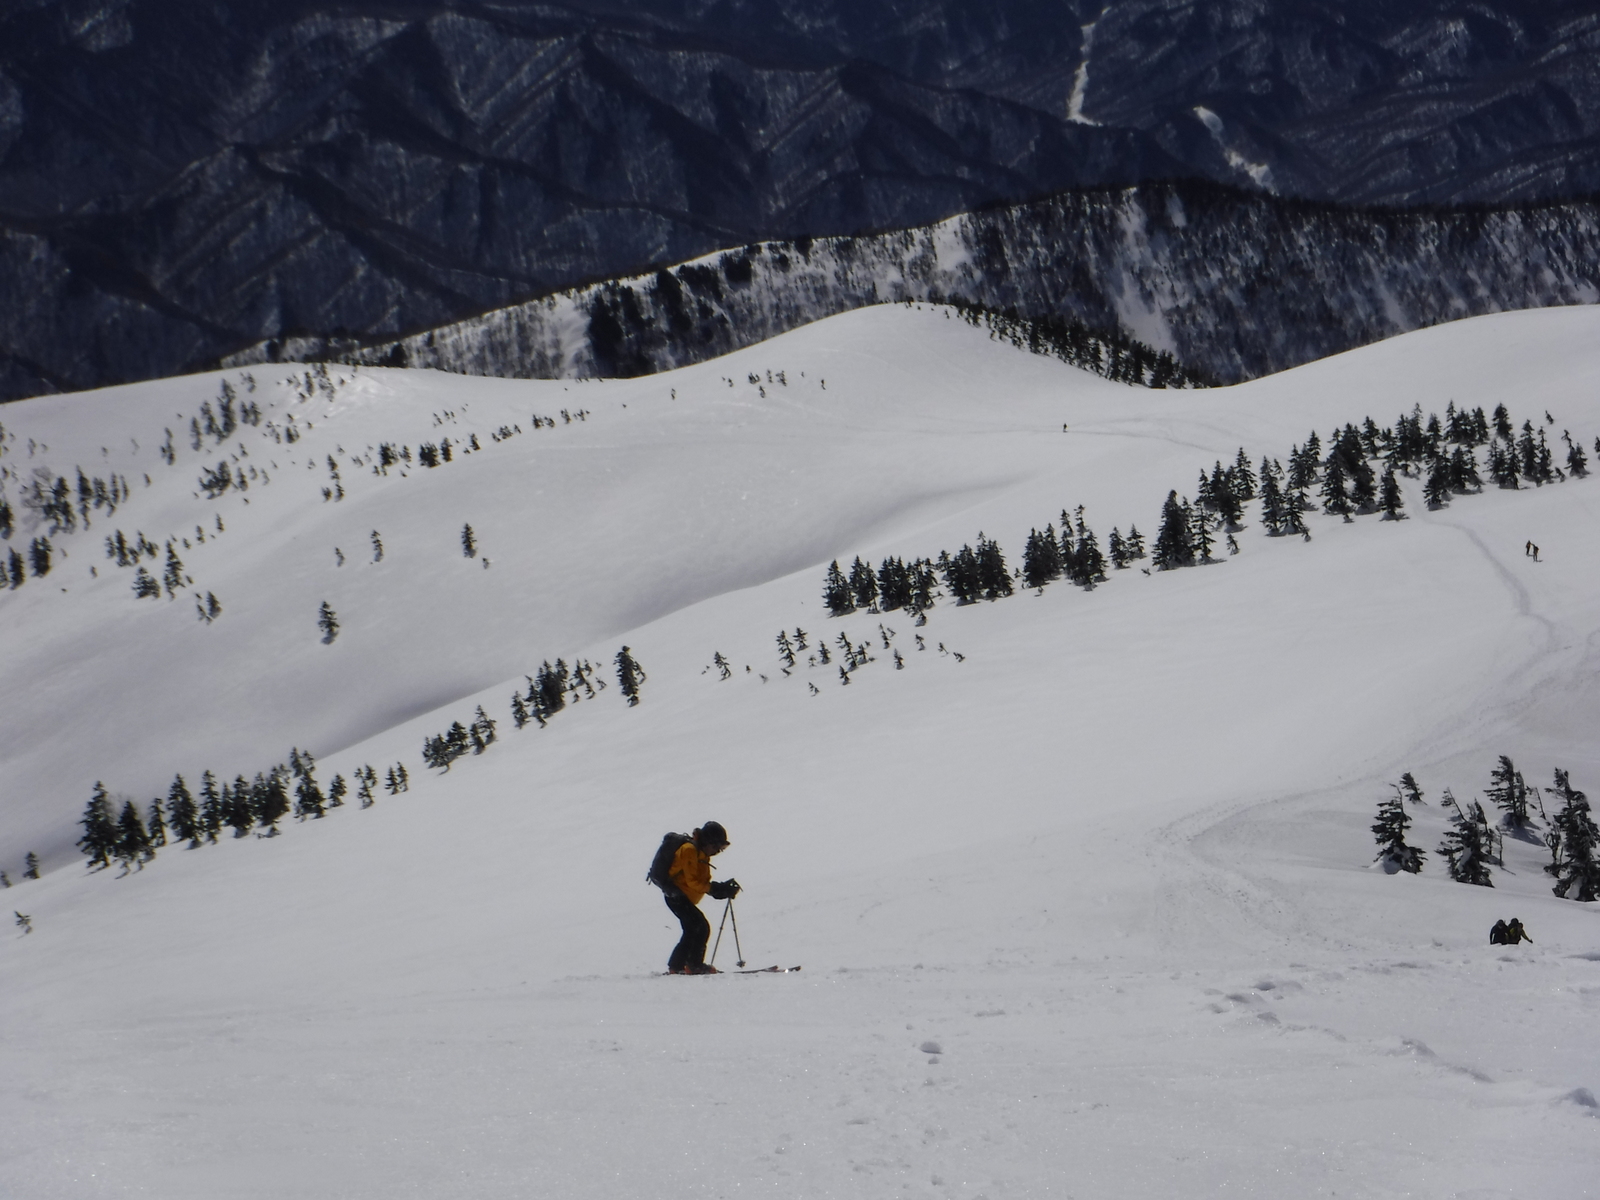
[
  {"x": 181, "y": 179},
  {"x": 1228, "y": 285}
]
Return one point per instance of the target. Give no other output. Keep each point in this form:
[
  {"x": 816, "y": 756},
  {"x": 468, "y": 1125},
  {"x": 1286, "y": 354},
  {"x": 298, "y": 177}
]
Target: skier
[{"x": 684, "y": 883}]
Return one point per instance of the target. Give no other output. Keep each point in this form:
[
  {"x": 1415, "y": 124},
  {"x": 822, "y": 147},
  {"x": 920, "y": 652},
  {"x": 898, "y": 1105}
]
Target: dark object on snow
[
  {"x": 682, "y": 870},
  {"x": 662, "y": 863},
  {"x": 1508, "y": 933}
]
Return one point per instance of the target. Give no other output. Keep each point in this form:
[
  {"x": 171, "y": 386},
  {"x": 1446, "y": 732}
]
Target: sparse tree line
[
  {"x": 979, "y": 573},
  {"x": 124, "y": 836},
  {"x": 1475, "y": 842},
  {"x": 1102, "y": 352},
  {"x": 547, "y": 693},
  {"x": 30, "y": 870},
  {"x": 851, "y": 656}
]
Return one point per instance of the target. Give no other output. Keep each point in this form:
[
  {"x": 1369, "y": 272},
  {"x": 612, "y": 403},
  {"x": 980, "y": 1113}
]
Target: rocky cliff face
[
  {"x": 180, "y": 179},
  {"x": 1230, "y": 285}
]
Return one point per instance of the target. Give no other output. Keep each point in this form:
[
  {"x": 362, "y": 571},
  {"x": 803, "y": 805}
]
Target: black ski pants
[{"x": 691, "y": 948}]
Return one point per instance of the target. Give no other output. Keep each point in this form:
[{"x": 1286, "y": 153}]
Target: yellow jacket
[{"x": 691, "y": 872}]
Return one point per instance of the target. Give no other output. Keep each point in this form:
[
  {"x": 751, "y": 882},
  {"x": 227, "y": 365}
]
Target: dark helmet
[{"x": 712, "y": 834}]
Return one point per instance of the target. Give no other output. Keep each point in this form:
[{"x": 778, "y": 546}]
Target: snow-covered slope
[{"x": 1086, "y": 911}]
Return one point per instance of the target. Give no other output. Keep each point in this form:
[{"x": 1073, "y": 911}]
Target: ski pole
[
  {"x": 728, "y": 909},
  {"x": 737, "y": 949}
]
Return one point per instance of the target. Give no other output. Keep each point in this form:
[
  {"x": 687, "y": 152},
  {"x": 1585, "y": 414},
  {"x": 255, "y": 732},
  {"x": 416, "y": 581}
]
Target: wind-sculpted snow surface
[
  {"x": 1084, "y": 891},
  {"x": 1231, "y": 286}
]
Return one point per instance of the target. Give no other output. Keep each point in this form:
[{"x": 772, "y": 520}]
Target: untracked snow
[{"x": 1088, "y": 911}]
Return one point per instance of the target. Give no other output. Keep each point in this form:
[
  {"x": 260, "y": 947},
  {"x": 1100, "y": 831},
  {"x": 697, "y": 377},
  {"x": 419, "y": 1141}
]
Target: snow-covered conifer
[
  {"x": 328, "y": 622},
  {"x": 1466, "y": 847},
  {"x": 994, "y": 577},
  {"x": 1577, "y": 870},
  {"x": 1508, "y": 793},
  {"x": 269, "y": 799},
  {"x": 99, "y": 840},
  {"x": 863, "y": 585},
  {"x": 469, "y": 542},
  {"x": 630, "y": 675},
  {"x": 30, "y": 866},
  {"x": 1390, "y": 832},
  {"x": 133, "y": 842},
  {"x": 1041, "y": 557},
  {"x": 155, "y": 826},
  {"x": 836, "y": 592},
  {"x": 1390, "y": 500},
  {"x": 1173, "y": 547}
]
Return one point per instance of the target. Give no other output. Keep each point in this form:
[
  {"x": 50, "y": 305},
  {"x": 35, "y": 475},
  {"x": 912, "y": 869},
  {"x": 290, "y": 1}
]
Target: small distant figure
[
  {"x": 24, "y": 922},
  {"x": 1527, "y": 549},
  {"x": 1233, "y": 545},
  {"x": 1535, "y": 546},
  {"x": 1508, "y": 933},
  {"x": 1063, "y": 427}
]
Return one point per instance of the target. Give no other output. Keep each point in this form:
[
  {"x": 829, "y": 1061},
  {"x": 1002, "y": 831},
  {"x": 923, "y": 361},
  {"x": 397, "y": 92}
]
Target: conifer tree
[
  {"x": 1294, "y": 507},
  {"x": 994, "y": 577},
  {"x": 1335, "y": 499},
  {"x": 1464, "y": 471},
  {"x": 172, "y": 574},
  {"x": 1243, "y": 478},
  {"x": 1390, "y": 500},
  {"x": 155, "y": 827},
  {"x": 145, "y": 585},
  {"x": 1502, "y": 465},
  {"x": 962, "y": 577},
  {"x": 1577, "y": 871},
  {"x": 785, "y": 648},
  {"x": 1544, "y": 466},
  {"x": 368, "y": 780},
  {"x": 1172, "y": 548},
  {"x": 99, "y": 840},
  {"x": 1409, "y": 789},
  {"x": 519, "y": 711},
  {"x": 894, "y": 586},
  {"x": 236, "y": 811},
  {"x": 1041, "y": 558},
  {"x": 133, "y": 843},
  {"x": 377, "y": 547},
  {"x": 1089, "y": 562},
  {"x": 1390, "y": 831},
  {"x": 1272, "y": 507},
  {"x": 328, "y": 622},
  {"x": 1527, "y": 451},
  {"x": 1200, "y": 534},
  {"x": 923, "y": 585},
  {"x": 1436, "y": 490},
  {"x": 629, "y": 675},
  {"x": 269, "y": 799},
  {"x": 836, "y": 592},
  {"x": 212, "y": 818},
  {"x": 1577, "y": 461},
  {"x": 1117, "y": 550},
  {"x": 469, "y": 542},
  {"x": 863, "y": 585},
  {"x": 482, "y": 730},
  {"x": 309, "y": 800},
  {"x": 30, "y": 866},
  {"x": 39, "y": 557},
  {"x": 336, "y": 792},
  {"x": 1466, "y": 847},
  {"x": 1508, "y": 793},
  {"x": 1134, "y": 543}
]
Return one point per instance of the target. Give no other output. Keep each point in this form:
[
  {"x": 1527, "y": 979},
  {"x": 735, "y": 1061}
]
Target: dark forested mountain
[{"x": 180, "y": 179}]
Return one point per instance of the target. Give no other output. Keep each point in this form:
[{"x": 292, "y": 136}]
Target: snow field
[{"x": 1114, "y": 864}]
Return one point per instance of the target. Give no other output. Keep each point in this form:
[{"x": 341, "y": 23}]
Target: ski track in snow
[{"x": 1091, "y": 913}]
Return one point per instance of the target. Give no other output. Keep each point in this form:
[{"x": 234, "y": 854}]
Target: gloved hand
[{"x": 726, "y": 890}]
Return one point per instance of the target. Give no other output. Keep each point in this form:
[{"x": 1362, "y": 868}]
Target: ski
[{"x": 765, "y": 971}]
